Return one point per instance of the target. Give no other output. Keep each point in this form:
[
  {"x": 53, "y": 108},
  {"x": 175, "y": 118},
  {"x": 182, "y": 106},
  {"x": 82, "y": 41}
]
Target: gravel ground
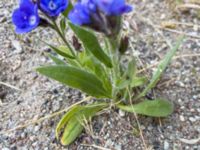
[{"x": 39, "y": 96}]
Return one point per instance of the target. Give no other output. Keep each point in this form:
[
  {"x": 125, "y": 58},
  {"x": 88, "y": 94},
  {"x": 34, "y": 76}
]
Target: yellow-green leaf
[
  {"x": 73, "y": 121},
  {"x": 154, "y": 108}
]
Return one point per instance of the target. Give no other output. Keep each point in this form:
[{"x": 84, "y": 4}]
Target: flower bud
[
  {"x": 124, "y": 44},
  {"x": 44, "y": 23},
  {"x": 76, "y": 43}
]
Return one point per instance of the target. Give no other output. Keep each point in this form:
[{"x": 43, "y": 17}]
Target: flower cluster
[
  {"x": 26, "y": 17},
  {"x": 99, "y": 14},
  {"x": 84, "y": 10}
]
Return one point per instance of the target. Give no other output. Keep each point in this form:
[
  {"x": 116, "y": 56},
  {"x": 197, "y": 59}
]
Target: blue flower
[
  {"x": 80, "y": 15},
  {"x": 53, "y": 7},
  {"x": 89, "y": 5},
  {"x": 113, "y": 7},
  {"x": 26, "y": 17}
]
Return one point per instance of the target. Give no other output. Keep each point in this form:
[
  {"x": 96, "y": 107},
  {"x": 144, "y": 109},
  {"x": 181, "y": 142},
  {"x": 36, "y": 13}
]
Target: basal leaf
[
  {"x": 72, "y": 131},
  {"x": 161, "y": 67},
  {"x": 129, "y": 75},
  {"x": 66, "y": 118},
  {"x": 76, "y": 78},
  {"x": 91, "y": 43},
  {"x": 73, "y": 121},
  {"x": 132, "y": 68},
  {"x": 138, "y": 81},
  {"x": 122, "y": 84},
  {"x": 154, "y": 108}
]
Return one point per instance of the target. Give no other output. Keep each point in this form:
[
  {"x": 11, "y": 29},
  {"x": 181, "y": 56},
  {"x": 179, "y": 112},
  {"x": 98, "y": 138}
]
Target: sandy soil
[{"x": 38, "y": 96}]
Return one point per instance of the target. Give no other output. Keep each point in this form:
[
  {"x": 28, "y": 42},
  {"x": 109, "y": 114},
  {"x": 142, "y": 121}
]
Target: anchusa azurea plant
[{"x": 97, "y": 69}]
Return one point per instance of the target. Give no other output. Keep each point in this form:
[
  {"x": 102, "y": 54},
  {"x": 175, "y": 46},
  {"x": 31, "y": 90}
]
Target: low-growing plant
[{"x": 92, "y": 67}]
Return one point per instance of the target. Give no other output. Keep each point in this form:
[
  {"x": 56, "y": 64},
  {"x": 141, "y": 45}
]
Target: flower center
[
  {"x": 52, "y": 5},
  {"x": 32, "y": 20}
]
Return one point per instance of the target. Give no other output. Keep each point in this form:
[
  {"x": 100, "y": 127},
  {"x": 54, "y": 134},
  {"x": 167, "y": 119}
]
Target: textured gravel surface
[{"x": 39, "y": 96}]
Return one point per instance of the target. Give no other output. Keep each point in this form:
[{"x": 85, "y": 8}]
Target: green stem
[
  {"x": 57, "y": 29},
  {"x": 63, "y": 38},
  {"x": 114, "y": 45}
]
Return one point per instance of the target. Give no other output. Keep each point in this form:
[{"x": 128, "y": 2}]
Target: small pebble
[
  {"x": 17, "y": 46},
  {"x": 192, "y": 119},
  {"x": 166, "y": 145},
  {"x": 37, "y": 128},
  {"x": 118, "y": 147},
  {"x": 182, "y": 118},
  {"x": 121, "y": 113}
]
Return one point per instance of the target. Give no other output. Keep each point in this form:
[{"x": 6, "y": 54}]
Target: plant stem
[
  {"x": 114, "y": 45},
  {"x": 63, "y": 38}
]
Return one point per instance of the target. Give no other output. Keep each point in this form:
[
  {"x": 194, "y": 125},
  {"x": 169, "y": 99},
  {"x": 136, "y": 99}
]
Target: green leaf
[
  {"x": 73, "y": 121},
  {"x": 66, "y": 118},
  {"x": 132, "y": 68},
  {"x": 76, "y": 78},
  {"x": 123, "y": 84},
  {"x": 155, "y": 108},
  {"x": 72, "y": 62},
  {"x": 138, "y": 81},
  {"x": 90, "y": 63},
  {"x": 63, "y": 25},
  {"x": 69, "y": 8},
  {"x": 56, "y": 60},
  {"x": 128, "y": 76},
  {"x": 60, "y": 51},
  {"x": 161, "y": 68},
  {"x": 72, "y": 131},
  {"x": 91, "y": 43}
]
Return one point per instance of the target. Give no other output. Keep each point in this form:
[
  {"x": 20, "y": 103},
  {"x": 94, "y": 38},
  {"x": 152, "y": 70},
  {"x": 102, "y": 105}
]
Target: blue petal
[
  {"x": 113, "y": 7},
  {"x": 90, "y": 5},
  {"x": 53, "y": 7},
  {"x": 26, "y": 17},
  {"x": 79, "y": 15}
]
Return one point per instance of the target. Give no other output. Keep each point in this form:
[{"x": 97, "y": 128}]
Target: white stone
[
  {"x": 16, "y": 44},
  {"x": 182, "y": 118},
  {"x": 166, "y": 145},
  {"x": 121, "y": 113}
]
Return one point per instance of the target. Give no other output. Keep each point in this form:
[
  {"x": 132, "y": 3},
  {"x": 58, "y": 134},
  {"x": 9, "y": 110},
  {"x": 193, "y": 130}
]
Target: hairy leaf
[
  {"x": 73, "y": 121},
  {"x": 91, "y": 43},
  {"x": 138, "y": 81},
  {"x": 56, "y": 60},
  {"x": 76, "y": 78},
  {"x": 154, "y": 108},
  {"x": 60, "y": 51},
  {"x": 161, "y": 67}
]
